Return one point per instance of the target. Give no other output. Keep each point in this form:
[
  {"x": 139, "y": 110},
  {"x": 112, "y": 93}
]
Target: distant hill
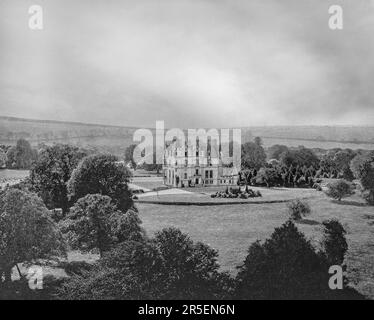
[
  {"x": 115, "y": 139},
  {"x": 324, "y": 137}
]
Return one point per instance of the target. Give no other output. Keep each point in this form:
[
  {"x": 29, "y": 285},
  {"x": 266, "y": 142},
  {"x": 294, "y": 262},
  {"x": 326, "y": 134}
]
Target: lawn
[
  {"x": 230, "y": 229},
  {"x": 148, "y": 182},
  {"x": 203, "y": 196},
  {"x": 8, "y": 176}
]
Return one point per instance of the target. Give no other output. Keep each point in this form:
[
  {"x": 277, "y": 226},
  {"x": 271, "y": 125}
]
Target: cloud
[{"x": 191, "y": 63}]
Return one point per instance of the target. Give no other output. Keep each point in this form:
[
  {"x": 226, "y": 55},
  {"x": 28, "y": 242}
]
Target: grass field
[
  {"x": 151, "y": 183},
  {"x": 231, "y": 229},
  {"x": 11, "y": 176},
  {"x": 202, "y": 196}
]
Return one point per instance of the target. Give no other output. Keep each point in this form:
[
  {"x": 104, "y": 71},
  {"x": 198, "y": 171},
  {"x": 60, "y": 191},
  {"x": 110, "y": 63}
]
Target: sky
[{"x": 191, "y": 63}]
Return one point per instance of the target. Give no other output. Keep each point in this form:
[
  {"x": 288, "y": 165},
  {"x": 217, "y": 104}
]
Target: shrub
[
  {"x": 298, "y": 209},
  {"x": 169, "y": 266},
  {"x": 339, "y": 189},
  {"x": 362, "y": 167},
  {"x": 285, "y": 266},
  {"x": 334, "y": 243}
]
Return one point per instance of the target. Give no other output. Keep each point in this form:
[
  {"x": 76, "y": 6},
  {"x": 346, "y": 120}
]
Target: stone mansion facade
[{"x": 190, "y": 167}]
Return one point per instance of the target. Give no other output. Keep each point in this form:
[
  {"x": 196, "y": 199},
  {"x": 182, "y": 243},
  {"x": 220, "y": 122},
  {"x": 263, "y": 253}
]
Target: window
[
  {"x": 197, "y": 171},
  {"x": 211, "y": 173},
  {"x": 185, "y": 175},
  {"x": 206, "y": 174}
]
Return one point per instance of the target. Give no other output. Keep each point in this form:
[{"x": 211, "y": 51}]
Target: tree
[
  {"x": 336, "y": 163},
  {"x": 276, "y": 151},
  {"x": 298, "y": 209},
  {"x": 129, "y": 271},
  {"x": 189, "y": 270},
  {"x": 3, "y": 159},
  {"x": 343, "y": 159},
  {"x": 170, "y": 266},
  {"x": 334, "y": 242},
  {"x": 129, "y": 155},
  {"x": 21, "y": 155},
  {"x": 51, "y": 172},
  {"x": 269, "y": 176},
  {"x": 127, "y": 226},
  {"x": 258, "y": 141},
  {"x": 339, "y": 189},
  {"x": 328, "y": 165},
  {"x": 253, "y": 156},
  {"x": 286, "y": 266},
  {"x": 299, "y": 157},
  {"x": 362, "y": 167},
  {"x": 11, "y": 157},
  {"x": 87, "y": 226},
  {"x": 94, "y": 222},
  {"x": 101, "y": 174},
  {"x": 27, "y": 232}
]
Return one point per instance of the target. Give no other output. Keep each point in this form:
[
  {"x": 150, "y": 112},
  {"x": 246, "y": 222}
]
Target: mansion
[{"x": 188, "y": 167}]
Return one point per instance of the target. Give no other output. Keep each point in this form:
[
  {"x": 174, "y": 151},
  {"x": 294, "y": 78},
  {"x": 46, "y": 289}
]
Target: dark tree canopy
[
  {"x": 299, "y": 157},
  {"x": 94, "y": 222},
  {"x": 258, "y": 141},
  {"x": 102, "y": 174},
  {"x": 275, "y": 151},
  {"x": 253, "y": 156},
  {"x": 336, "y": 163},
  {"x": 362, "y": 167},
  {"x": 27, "y": 231},
  {"x": 51, "y": 172},
  {"x": 286, "y": 266},
  {"x": 87, "y": 226},
  {"x": 334, "y": 242},
  {"x": 339, "y": 189},
  {"x": 21, "y": 156},
  {"x": 3, "y": 158},
  {"x": 170, "y": 266}
]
